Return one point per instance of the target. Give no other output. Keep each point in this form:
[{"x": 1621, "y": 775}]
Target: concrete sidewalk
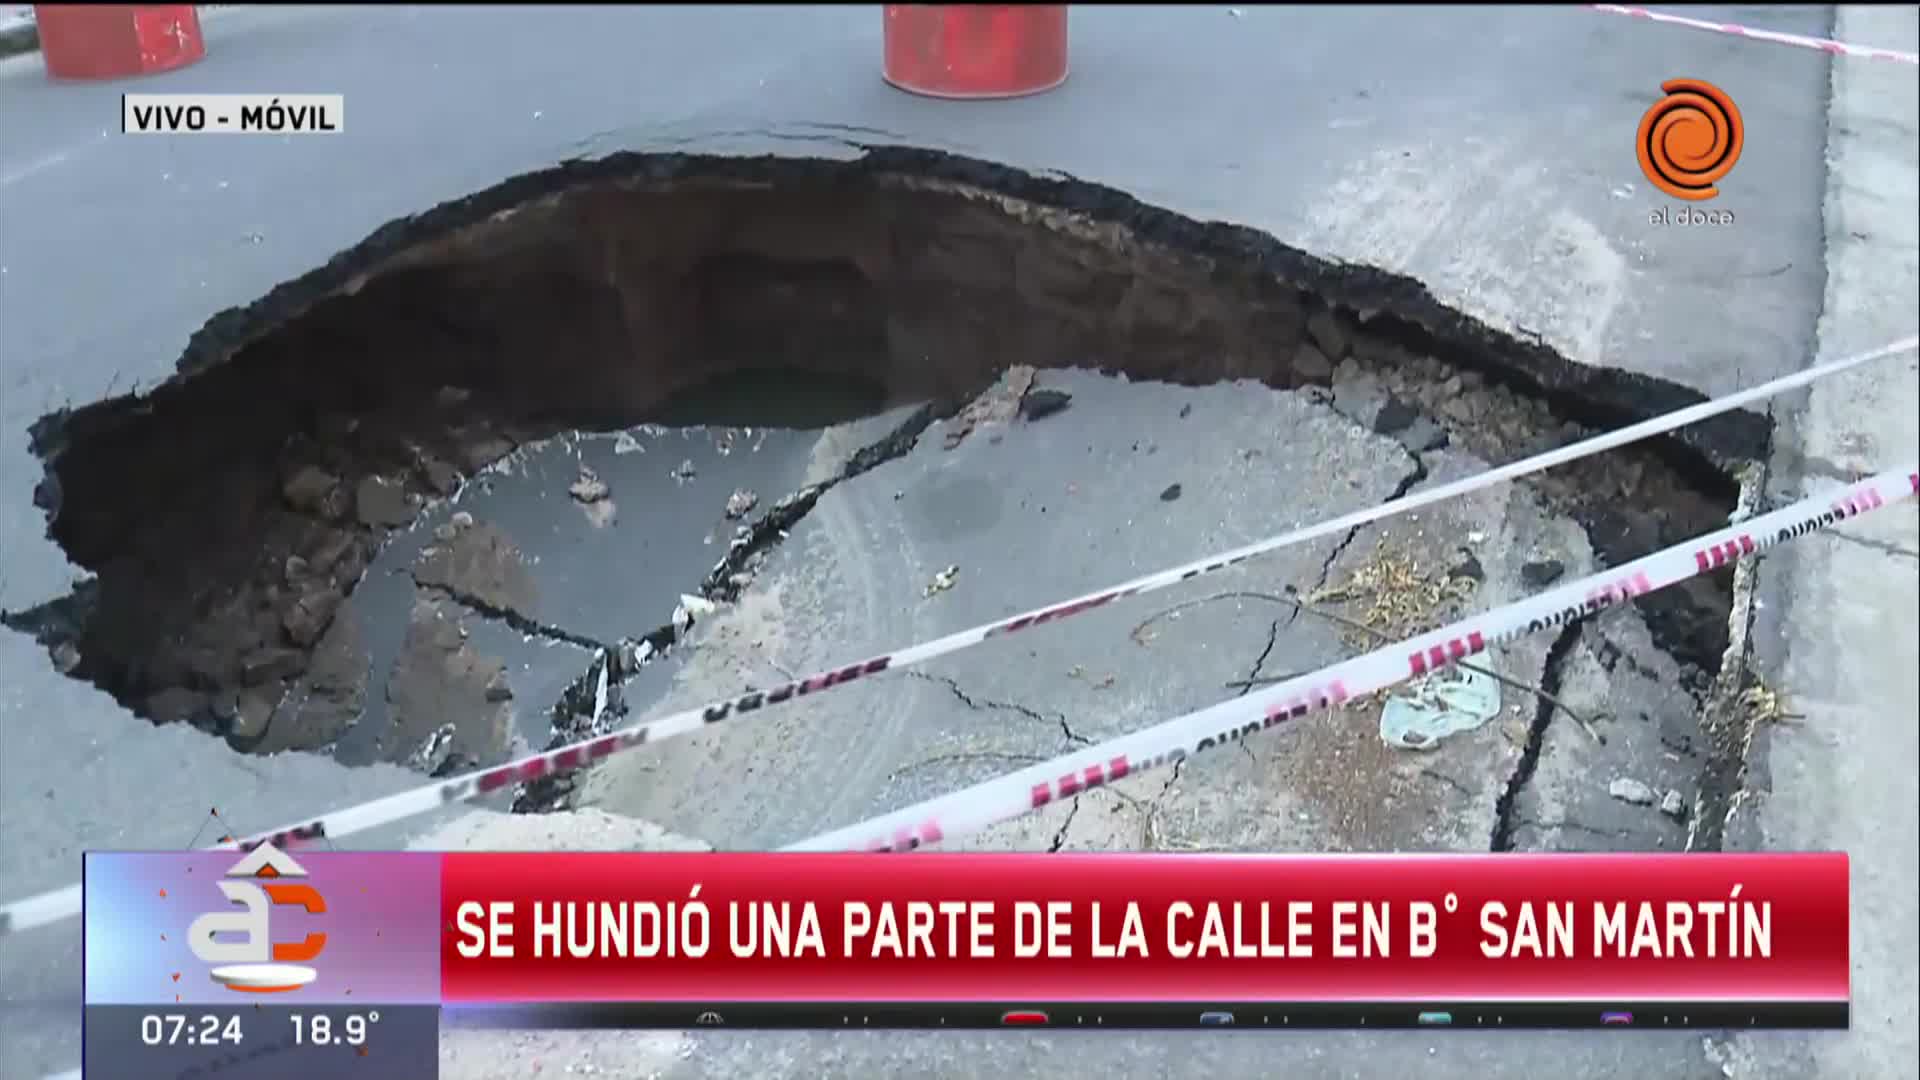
[{"x": 1835, "y": 627}]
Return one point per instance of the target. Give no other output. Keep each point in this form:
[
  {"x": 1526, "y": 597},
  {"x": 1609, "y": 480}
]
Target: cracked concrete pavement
[
  {"x": 1401, "y": 143},
  {"x": 852, "y": 580}
]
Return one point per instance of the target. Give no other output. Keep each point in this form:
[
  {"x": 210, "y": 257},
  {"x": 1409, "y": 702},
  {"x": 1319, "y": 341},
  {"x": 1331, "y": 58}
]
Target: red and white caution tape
[
  {"x": 1014, "y": 794},
  {"x": 1837, "y": 48},
  {"x": 65, "y": 903}
]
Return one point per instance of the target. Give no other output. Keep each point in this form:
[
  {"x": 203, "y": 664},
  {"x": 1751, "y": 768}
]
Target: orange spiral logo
[{"x": 1691, "y": 139}]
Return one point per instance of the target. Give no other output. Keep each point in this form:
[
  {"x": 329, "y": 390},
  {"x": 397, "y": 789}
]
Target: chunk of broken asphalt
[
  {"x": 942, "y": 581},
  {"x": 1468, "y": 567},
  {"x": 1040, "y": 404},
  {"x": 1628, "y": 790},
  {"x": 1539, "y": 575},
  {"x": 1673, "y": 805},
  {"x": 588, "y": 488},
  {"x": 1394, "y": 416}
]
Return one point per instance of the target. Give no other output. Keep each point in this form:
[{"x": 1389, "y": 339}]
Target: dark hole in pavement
[{"x": 228, "y": 514}]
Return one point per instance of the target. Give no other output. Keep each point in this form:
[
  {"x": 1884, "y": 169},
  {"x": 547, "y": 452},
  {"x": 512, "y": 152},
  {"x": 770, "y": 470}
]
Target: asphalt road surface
[{"x": 1486, "y": 152}]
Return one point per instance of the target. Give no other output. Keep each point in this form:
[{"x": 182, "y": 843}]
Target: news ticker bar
[
  {"x": 402, "y": 1042},
  {"x": 233, "y": 114},
  {"x": 1083, "y": 1016}
]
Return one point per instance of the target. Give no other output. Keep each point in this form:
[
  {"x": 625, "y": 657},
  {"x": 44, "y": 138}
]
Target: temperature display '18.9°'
[{"x": 320, "y": 1029}]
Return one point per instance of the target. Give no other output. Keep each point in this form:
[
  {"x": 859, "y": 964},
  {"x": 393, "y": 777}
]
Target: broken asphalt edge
[{"x": 1601, "y": 397}]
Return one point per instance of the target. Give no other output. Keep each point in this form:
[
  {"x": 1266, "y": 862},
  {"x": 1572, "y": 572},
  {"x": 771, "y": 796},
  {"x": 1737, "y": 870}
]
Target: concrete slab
[
  {"x": 854, "y": 579},
  {"x": 1330, "y": 784}
]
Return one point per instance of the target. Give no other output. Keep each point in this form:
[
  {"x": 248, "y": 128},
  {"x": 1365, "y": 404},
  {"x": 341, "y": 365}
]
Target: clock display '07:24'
[{"x": 179, "y": 1029}]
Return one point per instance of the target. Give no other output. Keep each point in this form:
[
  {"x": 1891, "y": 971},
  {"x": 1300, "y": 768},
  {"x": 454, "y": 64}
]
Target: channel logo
[
  {"x": 238, "y": 944},
  {"x": 1690, "y": 139}
]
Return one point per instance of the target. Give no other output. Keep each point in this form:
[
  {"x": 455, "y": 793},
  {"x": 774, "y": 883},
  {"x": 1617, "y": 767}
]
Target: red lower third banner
[{"x": 523, "y": 929}]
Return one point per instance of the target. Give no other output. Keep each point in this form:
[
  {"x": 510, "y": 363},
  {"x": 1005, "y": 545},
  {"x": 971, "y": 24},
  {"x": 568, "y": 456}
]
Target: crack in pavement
[
  {"x": 1435, "y": 774},
  {"x": 1008, "y": 706},
  {"x": 1260, "y": 662},
  {"x": 971, "y": 755},
  {"x": 1876, "y": 545},
  {"x": 770, "y": 134},
  {"x": 1326, "y": 567},
  {"x": 722, "y": 584},
  {"x": 1400, "y": 490},
  {"x": 1570, "y": 825},
  {"x": 508, "y": 617},
  {"x": 1060, "y": 838},
  {"x": 1148, "y": 840},
  {"x": 1505, "y": 818}
]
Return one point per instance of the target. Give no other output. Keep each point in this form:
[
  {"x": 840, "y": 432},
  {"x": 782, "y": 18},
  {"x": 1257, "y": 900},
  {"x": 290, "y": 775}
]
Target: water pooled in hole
[{"x": 606, "y": 570}]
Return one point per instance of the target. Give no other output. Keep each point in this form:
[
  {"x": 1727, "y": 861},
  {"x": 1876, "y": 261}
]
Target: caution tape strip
[
  {"x": 65, "y": 903},
  {"x": 1031, "y": 788},
  {"x": 1827, "y": 45}
]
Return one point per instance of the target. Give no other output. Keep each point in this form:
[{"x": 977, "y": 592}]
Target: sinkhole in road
[{"x": 673, "y": 308}]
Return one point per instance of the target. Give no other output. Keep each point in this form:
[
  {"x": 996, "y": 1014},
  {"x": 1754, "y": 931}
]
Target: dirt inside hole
[{"x": 227, "y": 514}]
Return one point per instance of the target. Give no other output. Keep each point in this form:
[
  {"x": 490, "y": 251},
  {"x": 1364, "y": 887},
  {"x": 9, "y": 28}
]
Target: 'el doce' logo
[
  {"x": 1691, "y": 139},
  {"x": 255, "y": 964}
]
